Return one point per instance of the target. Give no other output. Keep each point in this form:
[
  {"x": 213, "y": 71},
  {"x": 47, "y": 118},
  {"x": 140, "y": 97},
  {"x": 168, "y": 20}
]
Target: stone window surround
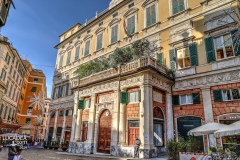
[
  {"x": 87, "y": 38},
  {"x": 147, "y": 4},
  {"x": 187, "y": 103},
  {"x": 129, "y": 13},
  {"x": 113, "y": 23},
  {"x": 170, "y": 8},
  {"x": 230, "y": 89},
  {"x": 98, "y": 33}
]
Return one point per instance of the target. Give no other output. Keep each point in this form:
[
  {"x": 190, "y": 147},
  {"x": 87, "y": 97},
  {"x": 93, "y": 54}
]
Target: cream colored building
[{"x": 193, "y": 38}]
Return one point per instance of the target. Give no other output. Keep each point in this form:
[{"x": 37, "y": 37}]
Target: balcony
[{"x": 144, "y": 62}]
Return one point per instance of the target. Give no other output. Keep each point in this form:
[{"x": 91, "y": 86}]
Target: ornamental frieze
[
  {"x": 160, "y": 83},
  {"x": 131, "y": 81},
  {"x": 209, "y": 80},
  {"x": 62, "y": 105}
]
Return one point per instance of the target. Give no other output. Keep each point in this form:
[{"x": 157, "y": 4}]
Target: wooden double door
[{"x": 104, "y": 133}]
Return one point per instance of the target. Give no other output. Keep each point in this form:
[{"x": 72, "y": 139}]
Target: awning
[
  {"x": 4, "y": 125},
  {"x": 232, "y": 129}
]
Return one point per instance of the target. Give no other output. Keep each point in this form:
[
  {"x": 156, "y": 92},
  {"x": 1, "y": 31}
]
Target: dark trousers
[{"x": 10, "y": 157}]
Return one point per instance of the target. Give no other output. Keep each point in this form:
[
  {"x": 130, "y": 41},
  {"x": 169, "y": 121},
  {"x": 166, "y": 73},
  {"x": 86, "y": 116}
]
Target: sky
[{"x": 35, "y": 25}]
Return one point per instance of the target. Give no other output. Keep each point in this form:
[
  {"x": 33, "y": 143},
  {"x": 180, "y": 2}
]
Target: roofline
[{"x": 70, "y": 28}]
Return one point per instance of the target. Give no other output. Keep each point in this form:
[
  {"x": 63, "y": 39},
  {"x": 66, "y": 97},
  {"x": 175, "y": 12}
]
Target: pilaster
[
  {"x": 122, "y": 122},
  {"x": 74, "y": 119},
  {"x": 78, "y": 126},
  {"x": 115, "y": 119},
  {"x": 64, "y": 125},
  {"x": 170, "y": 133},
  {"x": 55, "y": 126},
  {"x": 91, "y": 120}
]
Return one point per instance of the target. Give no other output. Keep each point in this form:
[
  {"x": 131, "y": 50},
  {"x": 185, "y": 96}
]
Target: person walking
[{"x": 14, "y": 152}]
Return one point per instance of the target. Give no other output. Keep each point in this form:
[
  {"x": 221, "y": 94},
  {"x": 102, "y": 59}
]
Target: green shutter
[
  {"x": 66, "y": 113},
  {"x": 174, "y": 6},
  {"x": 124, "y": 97},
  {"x": 180, "y": 5},
  {"x": 28, "y": 120},
  {"x": 235, "y": 41},
  {"x": 148, "y": 16},
  {"x": 172, "y": 59},
  {"x": 217, "y": 94},
  {"x": 175, "y": 99},
  {"x": 81, "y": 104},
  {"x": 33, "y": 89},
  {"x": 196, "y": 98},
  {"x": 153, "y": 13},
  {"x": 193, "y": 54},
  {"x": 160, "y": 58},
  {"x": 209, "y": 46}
]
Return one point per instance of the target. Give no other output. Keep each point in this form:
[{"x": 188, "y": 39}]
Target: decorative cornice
[
  {"x": 77, "y": 43},
  {"x": 113, "y": 21},
  {"x": 100, "y": 29},
  {"x": 147, "y": 2},
  {"x": 130, "y": 11},
  {"x": 88, "y": 36}
]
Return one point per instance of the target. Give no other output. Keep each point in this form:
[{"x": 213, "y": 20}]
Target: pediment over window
[
  {"x": 130, "y": 11},
  {"x": 100, "y": 29},
  {"x": 69, "y": 47},
  {"x": 62, "y": 51},
  {"x": 147, "y": 2},
  {"x": 114, "y": 20},
  {"x": 78, "y": 42},
  {"x": 88, "y": 36}
]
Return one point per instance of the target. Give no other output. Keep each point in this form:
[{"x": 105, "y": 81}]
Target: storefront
[{"x": 234, "y": 140}]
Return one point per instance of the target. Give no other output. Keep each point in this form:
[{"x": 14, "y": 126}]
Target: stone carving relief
[
  {"x": 209, "y": 80},
  {"x": 131, "y": 82},
  {"x": 226, "y": 63},
  {"x": 157, "y": 96},
  {"x": 185, "y": 72},
  {"x": 106, "y": 98},
  {"x": 108, "y": 106},
  {"x": 181, "y": 31},
  {"x": 61, "y": 105},
  {"x": 160, "y": 83}
]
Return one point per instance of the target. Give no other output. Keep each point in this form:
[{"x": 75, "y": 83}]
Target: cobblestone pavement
[{"x": 43, "y": 154}]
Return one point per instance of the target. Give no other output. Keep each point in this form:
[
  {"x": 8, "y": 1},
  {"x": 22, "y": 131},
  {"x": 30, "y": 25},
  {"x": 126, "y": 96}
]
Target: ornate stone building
[{"x": 140, "y": 99}]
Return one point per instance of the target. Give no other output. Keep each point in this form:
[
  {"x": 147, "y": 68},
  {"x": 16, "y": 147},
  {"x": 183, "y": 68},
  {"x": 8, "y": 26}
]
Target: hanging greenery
[{"x": 119, "y": 57}]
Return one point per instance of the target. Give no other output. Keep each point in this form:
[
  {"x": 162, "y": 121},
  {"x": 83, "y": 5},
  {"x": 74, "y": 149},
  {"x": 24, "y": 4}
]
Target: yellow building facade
[{"x": 188, "y": 36}]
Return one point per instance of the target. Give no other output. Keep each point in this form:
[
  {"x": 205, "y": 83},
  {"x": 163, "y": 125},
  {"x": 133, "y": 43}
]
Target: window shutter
[
  {"x": 196, "y": 98},
  {"x": 59, "y": 91},
  {"x": 209, "y": 46},
  {"x": 133, "y": 25},
  {"x": 116, "y": 32},
  {"x": 175, "y": 99},
  {"x": 139, "y": 95},
  {"x": 77, "y": 53},
  {"x": 180, "y": 5},
  {"x": 172, "y": 59},
  {"x": 160, "y": 58},
  {"x": 81, "y": 104},
  {"x": 124, "y": 97},
  {"x": 153, "y": 14},
  {"x": 129, "y": 25},
  {"x": 235, "y": 42},
  {"x": 193, "y": 54},
  {"x": 174, "y": 6},
  {"x": 67, "y": 87},
  {"x": 148, "y": 16},
  {"x": 66, "y": 113},
  {"x": 217, "y": 94}
]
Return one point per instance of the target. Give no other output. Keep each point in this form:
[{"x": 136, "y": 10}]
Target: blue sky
[{"x": 34, "y": 28}]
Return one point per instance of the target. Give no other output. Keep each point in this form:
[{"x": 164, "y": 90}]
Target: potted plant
[
  {"x": 45, "y": 145},
  {"x": 50, "y": 145},
  {"x": 56, "y": 145},
  {"x": 64, "y": 146}
]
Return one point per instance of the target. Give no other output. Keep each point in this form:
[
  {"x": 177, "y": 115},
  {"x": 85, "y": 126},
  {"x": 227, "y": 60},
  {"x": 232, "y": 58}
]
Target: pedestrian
[{"x": 14, "y": 152}]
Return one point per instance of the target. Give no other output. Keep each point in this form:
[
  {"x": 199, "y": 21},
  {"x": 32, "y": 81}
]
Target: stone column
[
  {"x": 78, "y": 126},
  {"x": 115, "y": 119},
  {"x": 122, "y": 121},
  {"x": 169, "y": 109},
  {"x": 208, "y": 112},
  {"x": 91, "y": 120},
  {"x": 55, "y": 125},
  {"x": 74, "y": 119},
  {"x": 64, "y": 125},
  {"x": 47, "y": 125},
  {"x": 146, "y": 121}
]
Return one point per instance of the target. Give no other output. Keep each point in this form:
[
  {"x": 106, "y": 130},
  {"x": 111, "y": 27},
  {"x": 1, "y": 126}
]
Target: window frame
[
  {"x": 84, "y": 54},
  {"x": 231, "y": 94},
  {"x": 135, "y": 22},
  {"x": 29, "y": 111},
  {"x": 187, "y": 103},
  {"x": 69, "y": 55},
  {"x": 102, "y": 43},
  {"x": 118, "y": 33},
  {"x": 171, "y": 7},
  {"x": 184, "y": 64},
  {"x": 137, "y": 100},
  {"x": 61, "y": 61},
  {"x": 224, "y": 47},
  {"x": 89, "y": 104},
  {"x": 77, "y": 57},
  {"x": 145, "y": 13}
]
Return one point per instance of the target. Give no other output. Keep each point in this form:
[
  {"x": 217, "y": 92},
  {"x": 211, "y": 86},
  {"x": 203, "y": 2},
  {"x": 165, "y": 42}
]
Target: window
[
  {"x": 61, "y": 113},
  {"x": 99, "y": 41},
  {"x": 1, "y": 110},
  {"x": 231, "y": 94},
  {"x": 131, "y": 25},
  {"x": 5, "y": 113},
  {"x": 150, "y": 15},
  {"x": 35, "y": 80},
  {"x": 177, "y": 6},
  {"x": 14, "y": 74},
  {"x": 115, "y": 14},
  {"x": 64, "y": 91},
  {"x": 183, "y": 58},
  {"x": 29, "y": 111},
  {"x": 89, "y": 31},
  {"x": 10, "y": 70},
  {"x": 114, "y": 34},
  {"x": 100, "y": 24},
  {"x": 52, "y": 114},
  {"x": 16, "y": 98},
  {"x": 68, "y": 57},
  {"x": 186, "y": 99},
  {"x": 3, "y": 75},
  {"x": 87, "y": 47},
  {"x": 33, "y": 89},
  {"x": 134, "y": 97},
  {"x": 28, "y": 120},
  {"x": 131, "y": 5},
  {"x": 7, "y": 58},
  {"x": 224, "y": 46},
  {"x": 77, "y": 53},
  {"x": 10, "y": 91},
  {"x": 87, "y": 103},
  {"x": 133, "y": 131},
  {"x": 17, "y": 78},
  {"x": 7, "y": 87},
  {"x": 16, "y": 64},
  {"x": 13, "y": 95},
  {"x": 70, "y": 112},
  {"x": 61, "y": 61}
]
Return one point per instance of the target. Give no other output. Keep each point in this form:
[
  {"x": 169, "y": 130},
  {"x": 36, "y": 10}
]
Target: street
[{"x": 45, "y": 154}]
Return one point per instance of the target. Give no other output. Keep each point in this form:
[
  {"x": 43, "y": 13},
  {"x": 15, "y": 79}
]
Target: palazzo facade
[{"x": 106, "y": 111}]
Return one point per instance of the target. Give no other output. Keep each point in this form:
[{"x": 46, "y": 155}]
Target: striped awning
[{"x": 4, "y": 125}]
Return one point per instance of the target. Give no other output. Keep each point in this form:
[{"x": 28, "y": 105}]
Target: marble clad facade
[{"x": 140, "y": 99}]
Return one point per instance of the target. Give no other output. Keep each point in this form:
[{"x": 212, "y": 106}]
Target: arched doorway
[
  {"x": 158, "y": 127},
  {"x": 104, "y": 133}
]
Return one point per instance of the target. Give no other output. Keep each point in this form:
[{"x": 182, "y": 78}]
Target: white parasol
[{"x": 231, "y": 129}]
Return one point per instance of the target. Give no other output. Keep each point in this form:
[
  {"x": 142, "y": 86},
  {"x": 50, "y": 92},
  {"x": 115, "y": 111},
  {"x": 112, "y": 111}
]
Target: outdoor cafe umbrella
[
  {"x": 206, "y": 129},
  {"x": 231, "y": 129},
  {"x": 12, "y": 135}
]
